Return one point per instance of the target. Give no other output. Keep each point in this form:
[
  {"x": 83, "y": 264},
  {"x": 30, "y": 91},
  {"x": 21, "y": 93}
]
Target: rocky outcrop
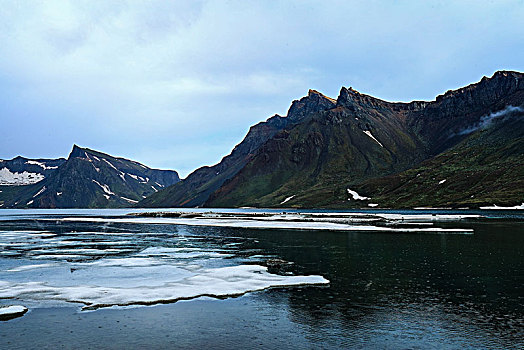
[{"x": 314, "y": 102}]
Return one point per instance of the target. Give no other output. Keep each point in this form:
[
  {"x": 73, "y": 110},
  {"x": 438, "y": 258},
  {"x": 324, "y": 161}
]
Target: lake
[{"x": 91, "y": 279}]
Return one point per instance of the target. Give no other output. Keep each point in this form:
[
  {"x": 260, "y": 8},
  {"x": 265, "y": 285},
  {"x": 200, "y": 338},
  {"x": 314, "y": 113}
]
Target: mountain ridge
[
  {"x": 197, "y": 186},
  {"x": 324, "y": 146},
  {"x": 89, "y": 179}
]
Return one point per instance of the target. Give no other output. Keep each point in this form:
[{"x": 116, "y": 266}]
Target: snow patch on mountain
[
  {"x": 367, "y": 132},
  {"x": 287, "y": 199},
  {"x": 356, "y": 196},
  {"x": 104, "y": 187},
  {"x": 129, "y": 200},
  {"x": 40, "y": 192},
  {"x": 109, "y": 163},
  {"x": 9, "y": 178},
  {"x": 42, "y": 165}
]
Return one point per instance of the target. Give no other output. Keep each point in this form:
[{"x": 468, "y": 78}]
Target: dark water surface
[{"x": 386, "y": 291}]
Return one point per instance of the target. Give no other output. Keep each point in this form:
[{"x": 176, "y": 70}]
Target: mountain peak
[
  {"x": 348, "y": 97},
  {"x": 312, "y": 103},
  {"x": 88, "y": 178},
  {"x": 84, "y": 152},
  {"x": 508, "y": 73},
  {"x": 77, "y": 152}
]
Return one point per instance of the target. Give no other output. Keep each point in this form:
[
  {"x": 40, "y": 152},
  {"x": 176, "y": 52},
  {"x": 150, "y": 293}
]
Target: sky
[{"x": 177, "y": 84}]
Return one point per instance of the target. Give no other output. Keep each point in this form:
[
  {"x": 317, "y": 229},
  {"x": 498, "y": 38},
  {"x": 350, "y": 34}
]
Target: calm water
[{"x": 387, "y": 290}]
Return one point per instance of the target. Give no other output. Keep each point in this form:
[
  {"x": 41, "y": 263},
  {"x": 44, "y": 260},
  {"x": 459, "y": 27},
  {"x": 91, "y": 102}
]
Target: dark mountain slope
[
  {"x": 486, "y": 168},
  {"x": 314, "y": 163},
  {"x": 91, "y": 179},
  {"x": 16, "y": 174},
  {"x": 331, "y": 148},
  {"x": 440, "y": 122},
  {"x": 196, "y": 188},
  {"x": 23, "y": 171}
]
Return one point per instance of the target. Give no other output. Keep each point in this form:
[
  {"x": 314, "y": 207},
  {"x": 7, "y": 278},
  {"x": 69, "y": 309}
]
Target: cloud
[
  {"x": 132, "y": 77},
  {"x": 488, "y": 120}
]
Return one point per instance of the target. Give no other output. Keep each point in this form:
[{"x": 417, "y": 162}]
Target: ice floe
[
  {"x": 275, "y": 224},
  {"x": 29, "y": 267},
  {"x": 181, "y": 253},
  {"x": 166, "y": 286},
  {"x": 12, "y": 311},
  {"x": 496, "y": 207},
  {"x": 136, "y": 267},
  {"x": 428, "y": 217}
]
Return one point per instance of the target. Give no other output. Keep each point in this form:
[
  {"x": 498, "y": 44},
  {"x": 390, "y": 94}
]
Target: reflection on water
[
  {"x": 457, "y": 288},
  {"x": 386, "y": 290}
]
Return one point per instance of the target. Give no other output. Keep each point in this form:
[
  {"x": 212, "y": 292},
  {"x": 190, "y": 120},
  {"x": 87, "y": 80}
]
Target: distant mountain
[
  {"x": 325, "y": 151},
  {"x": 22, "y": 171},
  {"x": 87, "y": 179}
]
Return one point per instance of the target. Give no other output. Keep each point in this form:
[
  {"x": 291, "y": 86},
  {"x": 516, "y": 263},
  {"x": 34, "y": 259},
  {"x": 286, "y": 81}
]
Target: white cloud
[{"x": 110, "y": 73}]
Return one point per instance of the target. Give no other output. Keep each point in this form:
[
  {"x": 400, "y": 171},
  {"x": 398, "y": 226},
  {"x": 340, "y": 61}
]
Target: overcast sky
[{"x": 176, "y": 84}]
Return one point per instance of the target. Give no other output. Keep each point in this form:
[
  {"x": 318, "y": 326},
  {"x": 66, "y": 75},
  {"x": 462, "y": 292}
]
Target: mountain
[
  {"x": 23, "y": 171},
  {"x": 325, "y": 151},
  {"x": 200, "y": 184},
  {"x": 88, "y": 179},
  {"x": 484, "y": 169}
]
